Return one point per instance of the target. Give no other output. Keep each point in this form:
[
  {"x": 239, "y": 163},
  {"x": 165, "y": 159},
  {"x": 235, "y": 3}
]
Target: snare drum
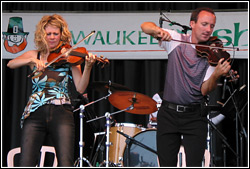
[
  {"x": 141, "y": 157},
  {"x": 117, "y": 140}
]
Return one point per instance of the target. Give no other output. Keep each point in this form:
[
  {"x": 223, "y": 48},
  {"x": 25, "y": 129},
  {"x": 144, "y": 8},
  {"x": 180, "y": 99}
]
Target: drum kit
[{"x": 126, "y": 144}]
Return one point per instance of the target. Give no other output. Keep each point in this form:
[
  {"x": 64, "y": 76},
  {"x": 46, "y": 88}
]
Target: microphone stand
[
  {"x": 107, "y": 143},
  {"x": 105, "y": 97},
  {"x": 129, "y": 108},
  {"x": 81, "y": 143},
  {"x": 107, "y": 115},
  {"x": 161, "y": 19},
  {"x": 184, "y": 27}
]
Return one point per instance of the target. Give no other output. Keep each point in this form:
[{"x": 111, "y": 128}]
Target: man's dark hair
[{"x": 195, "y": 13}]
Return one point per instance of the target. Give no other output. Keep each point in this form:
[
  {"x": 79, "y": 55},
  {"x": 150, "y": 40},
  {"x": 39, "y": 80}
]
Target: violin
[
  {"x": 213, "y": 51},
  {"x": 72, "y": 56},
  {"x": 75, "y": 57}
]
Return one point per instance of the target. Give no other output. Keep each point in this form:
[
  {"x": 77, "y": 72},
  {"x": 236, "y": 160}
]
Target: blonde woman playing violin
[{"x": 48, "y": 111}]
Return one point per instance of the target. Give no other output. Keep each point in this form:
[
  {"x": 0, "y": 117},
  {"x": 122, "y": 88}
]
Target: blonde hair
[{"x": 40, "y": 34}]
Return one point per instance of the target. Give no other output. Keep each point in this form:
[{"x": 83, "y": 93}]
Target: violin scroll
[
  {"x": 82, "y": 53},
  {"x": 102, "y": 60}
]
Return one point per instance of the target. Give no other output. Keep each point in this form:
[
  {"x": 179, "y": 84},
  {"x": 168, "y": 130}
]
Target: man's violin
[
  {"x": 212, "y": 54},
  {"x": 214, "y": 51}
]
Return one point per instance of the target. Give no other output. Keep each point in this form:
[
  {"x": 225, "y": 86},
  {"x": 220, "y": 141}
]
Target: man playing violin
[
  {"x": 49, "y": 111},
  {"x": 182, "y": 119}
]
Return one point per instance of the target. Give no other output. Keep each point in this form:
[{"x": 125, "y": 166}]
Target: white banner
[{"x": 118, "y": 35}]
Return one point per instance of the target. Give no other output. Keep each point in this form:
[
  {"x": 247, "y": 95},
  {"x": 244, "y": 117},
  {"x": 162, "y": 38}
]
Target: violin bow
[
  {"x": 66, "y": 52},
  {"x": 214, "y": 47},
  {"x": 188, "y": 28}
]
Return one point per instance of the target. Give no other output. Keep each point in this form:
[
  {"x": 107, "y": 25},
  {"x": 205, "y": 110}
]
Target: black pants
[
  {"x": 56, "y": 121},
  {"x": 171, "y": 125}
]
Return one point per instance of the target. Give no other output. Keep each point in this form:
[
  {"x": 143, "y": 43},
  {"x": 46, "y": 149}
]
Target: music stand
[{"x": 238, "y": 121}]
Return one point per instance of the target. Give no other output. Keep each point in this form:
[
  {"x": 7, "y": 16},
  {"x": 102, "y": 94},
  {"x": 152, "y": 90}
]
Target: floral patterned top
[{"x": 48, "y": 85}]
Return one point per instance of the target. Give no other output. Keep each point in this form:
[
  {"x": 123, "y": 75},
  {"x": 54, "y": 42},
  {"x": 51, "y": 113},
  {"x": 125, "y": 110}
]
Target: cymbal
[
  {"x": 104, "y": 86},
  {"x": 142, "y": 104}
]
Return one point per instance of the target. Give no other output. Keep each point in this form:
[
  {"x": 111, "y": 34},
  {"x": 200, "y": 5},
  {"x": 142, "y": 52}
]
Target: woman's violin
[
  {"x": 74, "y": 57},
  {"x": 65, "y": 54},
  {"x": 71, "y": 55}
]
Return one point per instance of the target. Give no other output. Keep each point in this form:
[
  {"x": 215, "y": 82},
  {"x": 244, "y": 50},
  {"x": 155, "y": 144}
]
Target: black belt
[{"x": 182, "y": 108}]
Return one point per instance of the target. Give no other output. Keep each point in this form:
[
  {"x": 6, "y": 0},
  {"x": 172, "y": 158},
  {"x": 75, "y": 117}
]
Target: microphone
[
  {"x": 224, "y": 88},
  {"x": 242, "y": 87},
  {"x": 186, "y": 27},
  {"x": 134, "y": 99},
  {"x": 125, "y": 135}
]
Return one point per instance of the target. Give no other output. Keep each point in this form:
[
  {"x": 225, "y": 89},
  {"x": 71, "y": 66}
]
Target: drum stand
[
  {"x": 81, "y": 143},
  {"x": 129, "y": 141}
]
